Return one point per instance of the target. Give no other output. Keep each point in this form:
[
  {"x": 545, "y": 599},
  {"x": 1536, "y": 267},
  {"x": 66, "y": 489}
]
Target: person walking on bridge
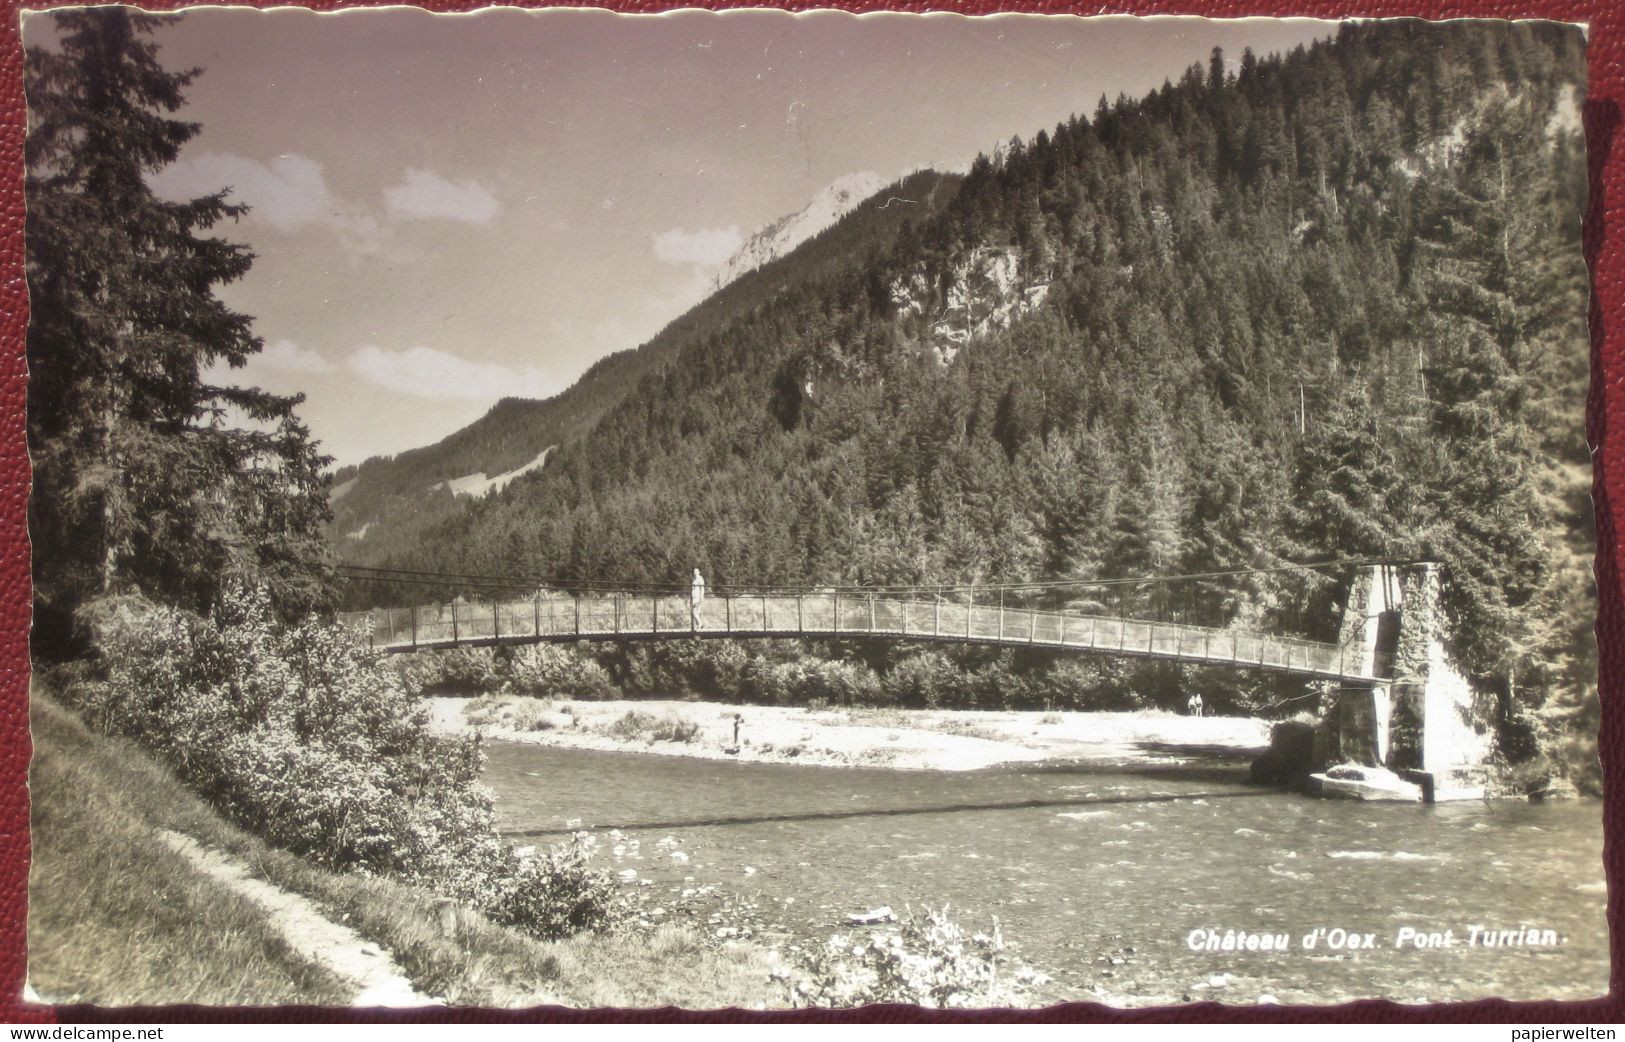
[{"x": 696, "y": 596}]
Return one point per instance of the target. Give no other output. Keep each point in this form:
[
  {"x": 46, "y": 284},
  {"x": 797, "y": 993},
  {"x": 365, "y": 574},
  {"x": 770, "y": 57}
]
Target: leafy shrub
[
  {"x": 639, "y": 726},
  {"x": 1086, "y": 684},
  {"x": 969, "y": 729},
  {"x": 511, "y": 712},
  {"x": 631, "y": 726},
  {"x": 722, "y": 668},
  {"x": 559, "y": 893},
  {"x": 687, "y": 668},
  {"x": 926, "y": 680},
  {"x": 537, "y": 669},
  {"x": 485, "y": 710},
  {"x": 450, "y": 671},
  {"x": 786, "y": 673},
  {"x": 300, "y": 734},
  {"x": 674, "y": 729},
  {"x": 665, "y": 669},
  {"x": 549, "y": 670},
  {"x": 842, "y": 683},
  {"x": 532, "y": 716},
  {"x": 761, "y": 682},
  {"x": 811, "y": 682},
  {"x": 293, "y": 730},
  {"x": 927, "y": 961},
  {"x": 1566, "y": 728}
]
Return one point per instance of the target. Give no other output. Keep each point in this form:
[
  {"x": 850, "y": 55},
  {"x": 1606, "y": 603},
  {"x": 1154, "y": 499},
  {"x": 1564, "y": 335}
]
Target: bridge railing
[{"x": 837, "y": 613}]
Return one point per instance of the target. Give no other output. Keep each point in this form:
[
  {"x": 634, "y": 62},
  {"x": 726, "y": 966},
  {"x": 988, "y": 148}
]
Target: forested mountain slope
[
  {"x": 380, "y": 505},
  {"x": 1331, "y": 304}
]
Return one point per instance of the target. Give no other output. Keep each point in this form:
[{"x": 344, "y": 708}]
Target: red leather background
[{"x": 1605, "y": 252}]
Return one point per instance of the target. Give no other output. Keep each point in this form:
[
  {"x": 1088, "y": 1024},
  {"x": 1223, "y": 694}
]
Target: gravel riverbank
[{"x": 909, "y": 739}]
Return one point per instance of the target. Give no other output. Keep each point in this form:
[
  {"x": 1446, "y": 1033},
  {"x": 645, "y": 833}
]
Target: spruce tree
[
  {"x": 141, "y": 481},
  {"x": 1478, "y": 365}
]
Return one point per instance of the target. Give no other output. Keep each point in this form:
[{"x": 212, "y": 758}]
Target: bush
[
  {"x": 810, "y": 682},
  {"x": 631, "y": 726},
  {"x": 673, "y": 729},
  {"x": 485, "y": 711},
  {"x": 545, "y": 670},
  {"x": 639, "y": 726},
  {"x": 841, "y": 683},
  {"x": 763, "y": 683},
  {"x": 295, "y": 731},
  {"x": 927, "y": 961},
  {"x": 559, "y": 893},
  {"x": 772, "y": 673},
  {"x": 1566, "y": 728},
  {"x": 514, "y": 713},
  {"x": 1085, "y": 684},
  {"x": 452, "y": 671},
  {"x": 551, "y": 671},
  {"x": 925, "y": 681},
  {"x": 301, "y": 735}
]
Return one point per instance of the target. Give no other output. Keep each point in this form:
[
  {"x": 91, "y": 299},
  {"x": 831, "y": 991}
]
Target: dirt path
[{"x": 378, "y": 981}]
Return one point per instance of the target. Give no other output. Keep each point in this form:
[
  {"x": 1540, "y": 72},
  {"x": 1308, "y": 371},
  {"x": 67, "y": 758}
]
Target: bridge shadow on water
[
  {"x": 1207, "y": 773},
  {"x": 1217, "y": 764}
]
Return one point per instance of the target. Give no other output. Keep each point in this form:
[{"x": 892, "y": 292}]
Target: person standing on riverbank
[
  {"x": 1195, "y": 704},
  {"x": 696, "y": 596}
]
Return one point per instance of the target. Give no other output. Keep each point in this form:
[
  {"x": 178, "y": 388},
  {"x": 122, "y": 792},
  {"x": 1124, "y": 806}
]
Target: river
[{"x": 1100, "y": 876}]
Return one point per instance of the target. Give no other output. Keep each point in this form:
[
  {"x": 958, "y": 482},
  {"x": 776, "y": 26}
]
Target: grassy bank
[
  {"x": 118, "y": 918},
  {"x": 115, "y": 917}
]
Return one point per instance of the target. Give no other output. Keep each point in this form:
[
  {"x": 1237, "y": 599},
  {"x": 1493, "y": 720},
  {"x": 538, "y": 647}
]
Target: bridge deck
[{"x": 833, "y": 615}]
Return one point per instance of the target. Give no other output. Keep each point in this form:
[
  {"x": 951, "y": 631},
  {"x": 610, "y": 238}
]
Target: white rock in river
[{"x": 883, "y": 914}]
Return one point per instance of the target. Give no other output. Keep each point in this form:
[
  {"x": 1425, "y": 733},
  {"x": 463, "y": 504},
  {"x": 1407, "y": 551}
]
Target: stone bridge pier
[{"x": 1421, "y": 729}]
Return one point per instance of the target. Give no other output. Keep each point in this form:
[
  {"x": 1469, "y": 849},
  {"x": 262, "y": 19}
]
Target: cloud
[
  {"x": 288, "y": 193},
  {"x": 423, "y": 194},
  {"x": 288, "y": 357},
  {"x": 280, "y": 365},
  {"x": 424, "y": 372},
  {"x": 708, "y": 247}
]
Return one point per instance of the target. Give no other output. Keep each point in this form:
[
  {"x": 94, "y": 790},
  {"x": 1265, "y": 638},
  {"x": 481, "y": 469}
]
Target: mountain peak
[{"x": 777, "y": 238}]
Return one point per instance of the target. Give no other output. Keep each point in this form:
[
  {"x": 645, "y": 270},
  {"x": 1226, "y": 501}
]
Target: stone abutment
[{"x": 1421, "y": 722}]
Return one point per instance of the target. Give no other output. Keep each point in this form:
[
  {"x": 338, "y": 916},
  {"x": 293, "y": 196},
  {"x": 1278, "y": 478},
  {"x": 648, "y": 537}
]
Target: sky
[{"x": 451, "y": 209}]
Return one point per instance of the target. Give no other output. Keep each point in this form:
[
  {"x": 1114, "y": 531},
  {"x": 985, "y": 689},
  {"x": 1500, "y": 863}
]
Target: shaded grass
[
  {"x": 478, "y": 963},
  {"x": 115, "y": 917}
]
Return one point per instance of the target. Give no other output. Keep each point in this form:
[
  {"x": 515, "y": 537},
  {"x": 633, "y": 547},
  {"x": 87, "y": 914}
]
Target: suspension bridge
[{"x": 489, "y": 613}]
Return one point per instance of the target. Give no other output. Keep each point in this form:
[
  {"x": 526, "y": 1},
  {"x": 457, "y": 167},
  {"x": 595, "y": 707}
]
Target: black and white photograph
[{"x": 561, "y": 508}]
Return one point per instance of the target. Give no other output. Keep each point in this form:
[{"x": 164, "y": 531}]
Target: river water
[{"x": 1100, "y": 876}]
